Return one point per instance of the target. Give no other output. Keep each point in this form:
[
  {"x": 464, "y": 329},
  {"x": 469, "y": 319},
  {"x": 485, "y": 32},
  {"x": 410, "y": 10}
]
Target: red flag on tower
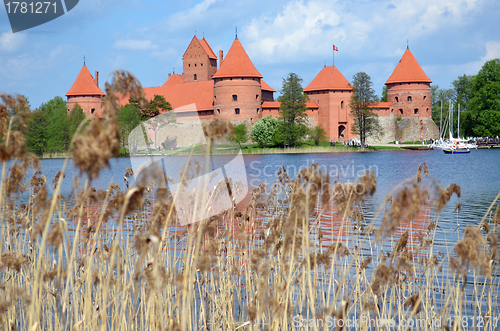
[{"x": 335, "y": 48}]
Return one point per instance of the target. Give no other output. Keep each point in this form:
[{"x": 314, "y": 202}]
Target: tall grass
[{"x": 298, "y": 255}]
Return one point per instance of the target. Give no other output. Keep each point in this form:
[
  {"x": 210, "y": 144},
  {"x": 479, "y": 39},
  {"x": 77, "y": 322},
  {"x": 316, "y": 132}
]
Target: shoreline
[{"x": 275, "y": 151}]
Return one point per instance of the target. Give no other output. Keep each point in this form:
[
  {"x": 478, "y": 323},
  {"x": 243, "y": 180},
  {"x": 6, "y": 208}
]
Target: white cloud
[
  {"x": 134, "y": 45},
  {"x": 309, "y": 27},
  {"x": 194, "y": 14},
  {"x": 11, "y": 42},
  {"x": 492, "y": 51},
  {"x": 299, "y": 29}
]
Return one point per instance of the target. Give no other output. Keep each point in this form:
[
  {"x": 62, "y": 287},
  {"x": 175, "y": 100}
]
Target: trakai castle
[{"x": 231, "y": 88}]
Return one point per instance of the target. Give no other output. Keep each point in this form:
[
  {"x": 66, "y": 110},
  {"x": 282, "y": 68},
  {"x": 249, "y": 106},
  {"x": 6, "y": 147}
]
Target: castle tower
[
  {"x": 332, "y": 93},
  {"x": 199, "y": 61},
  {"x": 237, "y": 87},
  {"x": 409, "y": 89},
  {"x": 86, "y": 92}
]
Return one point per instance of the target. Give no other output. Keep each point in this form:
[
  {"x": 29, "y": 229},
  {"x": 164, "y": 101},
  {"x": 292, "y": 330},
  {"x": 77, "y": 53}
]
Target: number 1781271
[{"x": 16, "y": 7}]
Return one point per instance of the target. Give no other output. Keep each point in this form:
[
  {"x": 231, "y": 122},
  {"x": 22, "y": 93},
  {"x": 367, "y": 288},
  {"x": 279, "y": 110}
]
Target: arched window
[
  {"x": 415, "y": 111},
  {"x": 235, "y": 97},
  {"x": 195, "y": 77},
  {"x": 92, "y": 110},
  {"x": 409, "y": 99},
  {"x": 342, "y": 104},
  {"x": 397, "y": 100},
  {"x": 237, "y": 111}
]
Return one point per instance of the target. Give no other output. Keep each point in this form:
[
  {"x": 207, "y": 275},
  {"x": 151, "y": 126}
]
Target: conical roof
[
  {"x": 237, "y": 64},
  {"x": 329, "y": 78},
  {"x": 408, "y": 71},
  {"x": 84, "y": 84}
]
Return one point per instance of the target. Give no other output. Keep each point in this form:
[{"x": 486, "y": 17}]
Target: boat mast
[{"x": 441, "y": 122}]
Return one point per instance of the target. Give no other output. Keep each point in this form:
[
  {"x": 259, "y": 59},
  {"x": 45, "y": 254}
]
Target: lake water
[{"x": 477, "y": 173}]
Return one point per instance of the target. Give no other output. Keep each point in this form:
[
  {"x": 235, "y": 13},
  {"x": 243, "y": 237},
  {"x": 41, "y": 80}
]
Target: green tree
[
  {"x": 362, "y": 102},
  {"x": 442, "y": 99},
  {"x": 384, "y": 94},
  {"x": 155, "y": 107},
  {"x": 240, "y": 134},
  {"x": 292, "y": 112},
  {"x": 129, "y": 117},
  {"x": 158, "y": 105},
  {"x": 75, "y": 117},
  {"x": 482, "y": 117},
  {"x": 317, "y": 134},
  {"x": 55, "y": 113},
  {"x": 36, "y": 135},
  {"x": 263, "y": 131}
]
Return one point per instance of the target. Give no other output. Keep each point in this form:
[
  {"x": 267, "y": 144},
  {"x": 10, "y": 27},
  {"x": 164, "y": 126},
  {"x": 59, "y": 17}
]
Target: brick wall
[
  {"x": 333, "y": 112},
  {"x": 196, "y": 62},
  {"x": 89, "y": 103},
  {"x": 248, "y": 99},
  {"x": 420, "y": 94}
]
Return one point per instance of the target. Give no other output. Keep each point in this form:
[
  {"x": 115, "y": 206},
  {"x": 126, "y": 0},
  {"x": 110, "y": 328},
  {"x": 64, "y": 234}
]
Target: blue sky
[{"x": 449, "y": 38}]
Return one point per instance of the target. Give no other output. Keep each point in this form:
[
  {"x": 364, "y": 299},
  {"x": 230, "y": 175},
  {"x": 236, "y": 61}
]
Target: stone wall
[{"x": 405, "y": 128}]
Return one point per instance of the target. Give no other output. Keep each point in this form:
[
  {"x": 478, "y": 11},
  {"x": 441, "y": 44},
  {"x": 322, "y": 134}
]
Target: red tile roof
[
  {"x": 329, "y": 78},
  {"x": 266, "y": 87},
  {"x": 408, "y": 71},
  {"x": 277, "y": 104},
  {"x": 382, "y": 105},
  {"x": 207, "y": 48},
  {"x": 237, "y": 64},
  {"x": 84, "y": 84},
  {"x": 199, "y": 93},
  {"x": 174, "y": 79}
]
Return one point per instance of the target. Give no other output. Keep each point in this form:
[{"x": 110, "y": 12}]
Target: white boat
[{"x": 453, "y": 145}]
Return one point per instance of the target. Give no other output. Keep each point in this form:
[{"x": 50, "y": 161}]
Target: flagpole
[{"x": 334, "y": 55}]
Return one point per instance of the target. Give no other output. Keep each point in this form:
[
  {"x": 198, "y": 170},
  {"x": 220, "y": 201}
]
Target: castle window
[
  {"x": 427, "y": 110},
  {"x": 235, "y": 97},
  {"x": 218, "y": 111},
  {"x": 189, "y": 65},
  {"x": 257, "y": 110},
  {"x": 202, "y": 64},
  {"x": 237, "y": 111},
  {"x": 409, "y": 99},
  {"x": 195, "y": 77},
  {"x": 425, "y": 97},
  {"x": 401, "y": 111},
  {"x": 342, "y": 104},
  {"x": 256, "y": 96},
  {"x": 195, "y": 64},
  {"x": 415, "y": 111},
  {"x": 397, "y": 99},
  {"x": 92, "y": 110}
]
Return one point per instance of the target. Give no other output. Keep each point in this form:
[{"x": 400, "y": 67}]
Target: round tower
[
  {"x": 409, "y": 89},
  {"x": 237, "y": 87},
  {"x": 86, "y": 92}
]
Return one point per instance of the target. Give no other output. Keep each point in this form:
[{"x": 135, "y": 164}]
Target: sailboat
[{"x": 456, "y": 145}]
